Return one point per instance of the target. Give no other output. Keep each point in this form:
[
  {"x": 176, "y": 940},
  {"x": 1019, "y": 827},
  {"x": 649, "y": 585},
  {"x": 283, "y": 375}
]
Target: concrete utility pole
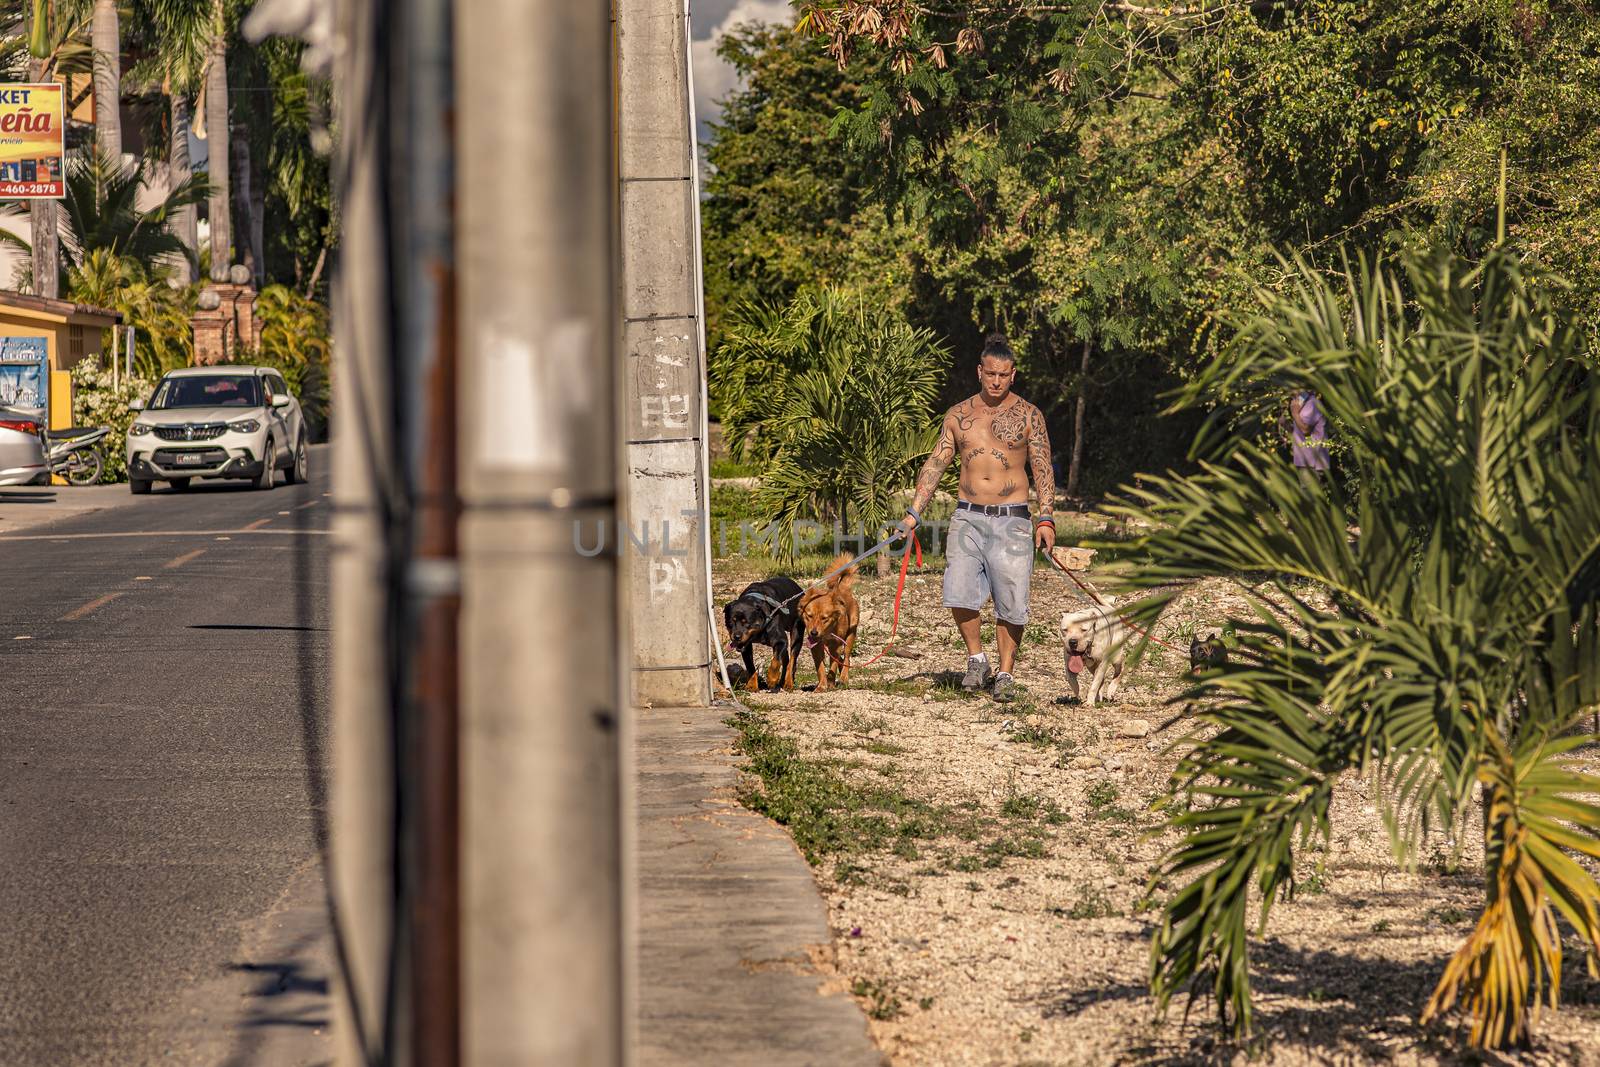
[
  {"x": 543, "y": 648},
  {"x": 363, "y": 732},
  {"x": 664, "y": 339}
]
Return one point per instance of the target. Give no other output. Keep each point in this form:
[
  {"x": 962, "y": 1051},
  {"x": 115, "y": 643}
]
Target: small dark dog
[
  {"x": 767, "y": 613},
  {"x": 1204, "y": 655}
]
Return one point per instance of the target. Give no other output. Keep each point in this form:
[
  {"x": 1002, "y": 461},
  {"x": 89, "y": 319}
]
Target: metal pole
[
  {"x": 542, "y": 641},
  {"x": 421, "y": 92}
]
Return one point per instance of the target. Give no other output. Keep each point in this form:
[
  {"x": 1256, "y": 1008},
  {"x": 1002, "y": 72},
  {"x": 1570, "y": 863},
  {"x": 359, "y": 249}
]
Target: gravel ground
[{"x": 1023, "y": 935}]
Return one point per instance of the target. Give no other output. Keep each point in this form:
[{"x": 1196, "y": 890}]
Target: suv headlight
[
  {"x": 244, "y": 425},
  {"x": 138, "y": 429}
]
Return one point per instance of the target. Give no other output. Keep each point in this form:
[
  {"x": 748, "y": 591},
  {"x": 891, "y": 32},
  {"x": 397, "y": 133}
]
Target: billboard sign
[
  {"x": 32, "y": 142},
  {"x": 24, "y": 373}
]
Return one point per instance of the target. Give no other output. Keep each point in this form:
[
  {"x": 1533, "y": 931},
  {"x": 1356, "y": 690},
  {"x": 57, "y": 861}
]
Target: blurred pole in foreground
[{"x": 543, "y": 652}]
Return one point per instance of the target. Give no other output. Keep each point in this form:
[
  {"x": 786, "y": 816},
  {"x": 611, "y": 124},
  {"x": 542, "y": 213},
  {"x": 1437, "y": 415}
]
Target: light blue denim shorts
[{"x": 989, "y": 556}]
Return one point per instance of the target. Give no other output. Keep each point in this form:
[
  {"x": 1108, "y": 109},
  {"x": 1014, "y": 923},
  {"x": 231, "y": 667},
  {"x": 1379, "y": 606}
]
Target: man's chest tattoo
[
  {"x": 1010, "y": 427},
  {"x": 964, "y": 416},
  {"x": 974, "y": 453}
]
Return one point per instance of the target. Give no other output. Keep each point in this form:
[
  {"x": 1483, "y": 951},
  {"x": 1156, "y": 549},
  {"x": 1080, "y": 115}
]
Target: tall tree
[
  {"x": 185, "y": 224},
  {"x": 218, "y": 144},
  {"x": 106, "y": 35},
  {"x": 50, "y": 38},
  {"x": 180, "y": 33}
]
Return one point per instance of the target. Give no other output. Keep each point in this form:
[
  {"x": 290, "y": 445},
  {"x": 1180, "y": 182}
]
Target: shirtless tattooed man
[{"x": 989, "y": 552}]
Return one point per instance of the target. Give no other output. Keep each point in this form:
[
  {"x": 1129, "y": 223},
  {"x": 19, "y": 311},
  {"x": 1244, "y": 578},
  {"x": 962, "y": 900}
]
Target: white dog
[{"x": 1094, "y": 639}]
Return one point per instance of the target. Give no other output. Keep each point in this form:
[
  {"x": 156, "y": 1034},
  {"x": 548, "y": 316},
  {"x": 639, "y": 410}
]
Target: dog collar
[{"x": 765, "y": 599}]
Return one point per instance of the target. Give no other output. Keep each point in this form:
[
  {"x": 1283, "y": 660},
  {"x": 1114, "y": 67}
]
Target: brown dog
[{"x": 831, "y": 616}]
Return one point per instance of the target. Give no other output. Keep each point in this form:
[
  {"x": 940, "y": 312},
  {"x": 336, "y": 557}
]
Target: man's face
[{"x": 995, "y": 376}]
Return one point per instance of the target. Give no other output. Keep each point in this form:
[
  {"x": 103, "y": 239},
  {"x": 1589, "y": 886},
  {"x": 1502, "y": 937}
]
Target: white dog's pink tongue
[{"x": 1075, "y": 664}]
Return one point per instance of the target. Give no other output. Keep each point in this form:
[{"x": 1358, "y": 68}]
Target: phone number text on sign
[{"x": 31, "y": 189}]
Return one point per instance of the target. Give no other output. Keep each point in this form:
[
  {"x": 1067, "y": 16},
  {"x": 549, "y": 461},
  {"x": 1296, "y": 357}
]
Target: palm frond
[{"x": 1451, "y": 639}]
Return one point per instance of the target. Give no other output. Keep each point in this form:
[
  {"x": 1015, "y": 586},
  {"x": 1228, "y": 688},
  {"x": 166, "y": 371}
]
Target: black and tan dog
[
  {"x": 1206, "y": 654},
  {"x": 767, "y": 613}
]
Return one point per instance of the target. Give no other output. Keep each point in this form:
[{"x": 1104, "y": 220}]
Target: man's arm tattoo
[
  {"x": 933, "y": 469},
  {"x": 1044, "y": 475},
  {"x": 963, "y": 415}
]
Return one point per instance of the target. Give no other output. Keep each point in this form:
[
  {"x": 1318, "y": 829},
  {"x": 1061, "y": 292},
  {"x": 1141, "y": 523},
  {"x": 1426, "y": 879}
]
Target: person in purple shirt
[{"x": 1310, "y": 436}]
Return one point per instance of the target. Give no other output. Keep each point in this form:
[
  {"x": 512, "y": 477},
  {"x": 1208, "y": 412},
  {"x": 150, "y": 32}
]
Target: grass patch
[
  {"x": 1028, "y": 846},
  {"x": 1102, "y": 798},
  {"x": 727, "y": 467},
  {"x": 1091, "y": 903},
  {"x": 895, "y": 687},
  {"x": 1037, "y": 734},
  {"x": 947, "y": 686},
  {"x": 828, "y": 815},
  {"x": 1313, "y": 885},
  {"x": 1037, "y": 632},
  {"x": 1102, "y": 794},
  {"x": 1030, "y": 807},
  {"x": 883, "y": 748},
  {"x": 858, "y": 723},
  {"x": 882, "y": 1003}
]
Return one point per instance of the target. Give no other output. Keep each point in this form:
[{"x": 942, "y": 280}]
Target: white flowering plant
[{"x": 100, "y": 398}]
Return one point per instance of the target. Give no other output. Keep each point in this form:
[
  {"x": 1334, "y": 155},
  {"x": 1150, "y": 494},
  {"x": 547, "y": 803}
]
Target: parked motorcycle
[{"x": 75, "y": 453}]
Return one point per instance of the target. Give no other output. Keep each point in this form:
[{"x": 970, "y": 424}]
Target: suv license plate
[{"x": 192, "y": 458}]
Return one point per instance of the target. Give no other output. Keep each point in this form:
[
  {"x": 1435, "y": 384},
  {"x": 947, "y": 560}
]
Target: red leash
[
  {"x": 905, "y": 564},
  {"x": 1096, "y": 597}
]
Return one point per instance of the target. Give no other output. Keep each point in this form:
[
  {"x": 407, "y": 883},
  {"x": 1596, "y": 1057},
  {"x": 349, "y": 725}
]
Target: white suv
[{"x": 217, "y": 422}]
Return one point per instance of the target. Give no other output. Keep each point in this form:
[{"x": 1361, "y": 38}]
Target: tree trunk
[
  {"x": 258, "y": 228},
  {"x": 1075, "y": 466},
  {"x": 316, "y": 272},
  {"x": 44, "y": 222},
  {"x": 218, "y": 141},
  {"x": 44, "y": 218},
  {"x": 241, "y": 199},
  {"x": 107, "y": 39},
  {"x": 183, "y": 220}
]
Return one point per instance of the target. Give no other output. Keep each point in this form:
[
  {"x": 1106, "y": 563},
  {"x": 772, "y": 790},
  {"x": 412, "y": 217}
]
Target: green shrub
[{"x": 97, "y": 402}]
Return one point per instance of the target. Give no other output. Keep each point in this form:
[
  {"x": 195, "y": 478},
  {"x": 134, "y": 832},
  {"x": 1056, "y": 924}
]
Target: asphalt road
[{"x": 165, "y": 669}]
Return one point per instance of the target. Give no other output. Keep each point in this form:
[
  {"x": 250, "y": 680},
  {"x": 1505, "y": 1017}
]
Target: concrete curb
[
  {"x": 730, "y": 924},
  {"x": 23, "y": 507}
]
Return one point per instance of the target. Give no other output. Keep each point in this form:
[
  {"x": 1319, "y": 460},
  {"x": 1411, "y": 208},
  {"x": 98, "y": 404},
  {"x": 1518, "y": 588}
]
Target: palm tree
[
  {"x": 836, "y": 400},
  {"x": 54, "y": 48},
  {"x": 101, "y": 212},
  {"x": 214, "y": 131},
  {"x": 107, "y": 38},
  {"x": 1462, "y": 654},
  {"x": 160, "y": 312},
  {"x": 181, "y": 33}
]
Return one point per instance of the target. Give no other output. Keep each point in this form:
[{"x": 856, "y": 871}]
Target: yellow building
[{"x": 41, "y": 340}]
